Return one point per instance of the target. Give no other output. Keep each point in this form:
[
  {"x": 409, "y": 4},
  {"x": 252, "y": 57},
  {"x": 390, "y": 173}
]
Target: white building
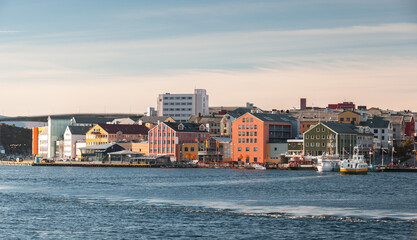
[
  {"x": 182, "y": 106},
  {"x": 72, "y": 135},
  {"x": 43, "y": 143},
  {"x": 382, "y": 130}
]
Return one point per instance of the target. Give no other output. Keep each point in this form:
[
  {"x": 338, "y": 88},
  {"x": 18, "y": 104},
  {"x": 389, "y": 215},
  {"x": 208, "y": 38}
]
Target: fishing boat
[
  {"x": 300, "y": 163},
  {"x": 356, "y": 165},
  {"x": 328, "y": 163}
]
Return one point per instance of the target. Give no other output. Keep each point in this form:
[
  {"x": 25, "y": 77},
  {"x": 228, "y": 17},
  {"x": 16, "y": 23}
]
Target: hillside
[{"x": 16, "y": 140}]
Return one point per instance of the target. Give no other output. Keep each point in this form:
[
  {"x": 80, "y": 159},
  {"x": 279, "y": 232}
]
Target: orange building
[
  {"x": 253, "y": 131},
  {"x": 349, "y": 117}
]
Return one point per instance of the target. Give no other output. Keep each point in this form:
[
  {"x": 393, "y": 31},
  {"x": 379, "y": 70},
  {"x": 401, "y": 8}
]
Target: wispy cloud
[{"x": 9, "y": 31}]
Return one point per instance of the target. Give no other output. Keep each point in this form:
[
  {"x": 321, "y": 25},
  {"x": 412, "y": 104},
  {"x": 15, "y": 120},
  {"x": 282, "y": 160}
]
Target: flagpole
[{"x": 382, "y": 157}]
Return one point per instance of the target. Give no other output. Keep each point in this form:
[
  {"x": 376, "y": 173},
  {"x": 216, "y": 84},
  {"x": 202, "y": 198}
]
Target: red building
[
  {"x": 410, "y": 125},
  {"x": 253, "y": 131},
  {"x": 345, "y": 105},
  {"x": 166, "y": 138}
]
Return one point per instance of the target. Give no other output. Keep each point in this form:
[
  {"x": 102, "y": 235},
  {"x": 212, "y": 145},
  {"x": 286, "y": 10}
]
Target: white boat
[
  {"x": 328, "y": 163},
  {"x": 356, "y": 165},
  {"x": 258, "y": 167}
]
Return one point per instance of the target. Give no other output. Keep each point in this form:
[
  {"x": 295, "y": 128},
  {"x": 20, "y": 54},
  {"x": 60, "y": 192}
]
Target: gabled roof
[
  {"x": 188, "y": 127},
  {"x": 376, "y": 122},
  {"x": 395, "y": 119},
  {"x": 239, "y": 112},
  {"x": 78, "y": 130},
  {"x": 409, "y": 118},
  {"x": 124, "y": 128},
  {"x": 205, "y": 119},
  {"x": 282, "y": 118},
  {"x": 350, "y": 112},
  {"x": 341, "y": 127}
]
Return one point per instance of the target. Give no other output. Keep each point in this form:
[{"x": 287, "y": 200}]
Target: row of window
[
  {"x": 163, "y": 142},
  {"x": 177, "y": 98},
  {"x": 247, "y": 133},
  {"x": 161, "y": 150},
  {"x": 178, "y": 109},
  {"x": 247, "y": 126},
  {"x": 178, "y": 103},
  {"x": 182, "y": 135},
  {"x": 319, "y": 144},
  {"x": 347, "y": 119},
  {"x": 247, "y": 149},
  {"x": 247, "y": 119},
  {"x": 248, "y": 140},
  {"x": 321, "y": 136}
]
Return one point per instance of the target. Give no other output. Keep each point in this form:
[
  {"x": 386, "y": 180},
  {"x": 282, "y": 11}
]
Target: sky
[{"x": 117, "y": 56}]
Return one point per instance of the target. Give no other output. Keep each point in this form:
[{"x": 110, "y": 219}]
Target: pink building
[{"x": 167, "y": 137}]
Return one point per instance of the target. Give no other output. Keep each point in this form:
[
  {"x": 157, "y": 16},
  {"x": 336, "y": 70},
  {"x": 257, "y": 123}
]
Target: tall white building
[{"x": 182, "y": 106}]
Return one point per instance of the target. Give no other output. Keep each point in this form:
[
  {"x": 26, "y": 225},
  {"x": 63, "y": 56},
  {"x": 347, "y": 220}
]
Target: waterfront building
[
  {"x": 326, "y": 137},
  {"x": 295, "y": 146},
  {"x": 136, "y": 146},
  {"x": 215, "y": 149},
  {"x": 108, "y": 133},
  {"x": 274, "y": 152},
  {"x": 99, "y": 152},
  {"x": 56, "y": 128},
  {"x": 43, "y": 142},
  {"x": 253, "y": 131},
  {"x": 167, "y": 137},
  {"x": 72, "y": 135},
  {"x": 381, "y": 129},
  {"x": 182, "y": 106}
]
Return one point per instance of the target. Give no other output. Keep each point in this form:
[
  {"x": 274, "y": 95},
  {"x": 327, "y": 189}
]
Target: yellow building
[
  {"x": 188, "y": 151},
  {"x": 107, "y": 133},
  {"x": 349, "y": 117}
]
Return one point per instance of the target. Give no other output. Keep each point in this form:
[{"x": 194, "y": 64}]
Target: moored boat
[
  {"x": 301, "y": 163},
  {"x": 356, "y": 165},
  {"x": 328, "y": 163}
]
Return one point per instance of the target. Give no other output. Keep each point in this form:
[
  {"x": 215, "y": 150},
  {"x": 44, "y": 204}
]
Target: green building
[{"x": 327, "y": 137}]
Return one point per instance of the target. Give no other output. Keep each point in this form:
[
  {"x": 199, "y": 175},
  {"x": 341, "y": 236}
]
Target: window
[
  {"x": 239, "y": 133},
  {"x": 312, "y": 144},
  {"x": 192, "y": 149},
  {"x": 317, "y": 136},
  {"x": 251, "y": 133},
  {"x": 243, "y": 126},
  {"x": 342, "y": 119},
  {"x": 322, "y": 129},
  {"x": 243, "y": 140},
  {"x": 354, "y": 119},
  {"x": 247, "y": 149},
  {"x": 243, "y": 119},
  {"x": 383, "y": 130},
  {"x": 375, "y": 130},
  {"x": 238, "y": 126},
  {"x": 383, "y": 138},
  {"x": 323, "y": 137},
  {"x": 255, "y": 149},
  {"x": 243, "y": 133},
  {"x": 306, "y": 136},
  {"x": 323, "y": 144},
  {"x": 251, "y": 120},
  {"x": 317, "y": 144},
  {"x": 255, "y": 140},
  {"x": 239, "y": 149},
  {"x": 255, "y": 126},
  {"x": 348, "y": 119},
  {"x": 186, "y": 149},
  {"x": 251, "y": 140},
  {"x": 255, "y": 133},
  {"x": 317, "y": 129},
  {"x": 239, "y": 140}
]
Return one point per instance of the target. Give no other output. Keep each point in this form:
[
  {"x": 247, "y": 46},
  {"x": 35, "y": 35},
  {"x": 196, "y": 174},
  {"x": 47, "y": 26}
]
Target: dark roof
[
  {"x": 188, "y": 127},
  {"x": 376, "y": 122},
  {"x": 79, "y": 130},
  {"x": 59, "y": 117},
  {"x": 153, "y": 119},
  {"x": 274, "y": 117},
  {"x": 124, "y": 128},
  {"x": 93, "y": 120},
  {"x": 341, "y": 127},
  {"x": 239, "y": 112}
]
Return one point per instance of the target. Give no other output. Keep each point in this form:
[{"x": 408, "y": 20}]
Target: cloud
[{"x": 9, "y": 31}]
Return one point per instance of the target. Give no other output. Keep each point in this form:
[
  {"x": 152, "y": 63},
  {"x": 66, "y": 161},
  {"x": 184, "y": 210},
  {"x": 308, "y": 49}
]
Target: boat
[
  {"x": 328, "y": 163},
  {"x": 258, "y": 167},
  {"x": 300, "y": 163},
  {"x": 356, "y": 165}
]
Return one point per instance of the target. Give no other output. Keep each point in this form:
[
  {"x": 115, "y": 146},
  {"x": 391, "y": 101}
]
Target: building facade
[
  {"x": 167, "y": 138},
  {"x": 253, "y": 131},
  {"x": 110, "y": 133},
  {"x": 182, "y": 106},
  {"x": 72, "y": 135}
]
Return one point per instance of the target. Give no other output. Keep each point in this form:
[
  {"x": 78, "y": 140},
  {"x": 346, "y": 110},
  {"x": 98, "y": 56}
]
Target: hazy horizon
[{"x": 116, "y": 57}]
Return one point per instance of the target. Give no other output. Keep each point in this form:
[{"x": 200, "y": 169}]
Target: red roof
[{"x": 124, "y": 128}]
